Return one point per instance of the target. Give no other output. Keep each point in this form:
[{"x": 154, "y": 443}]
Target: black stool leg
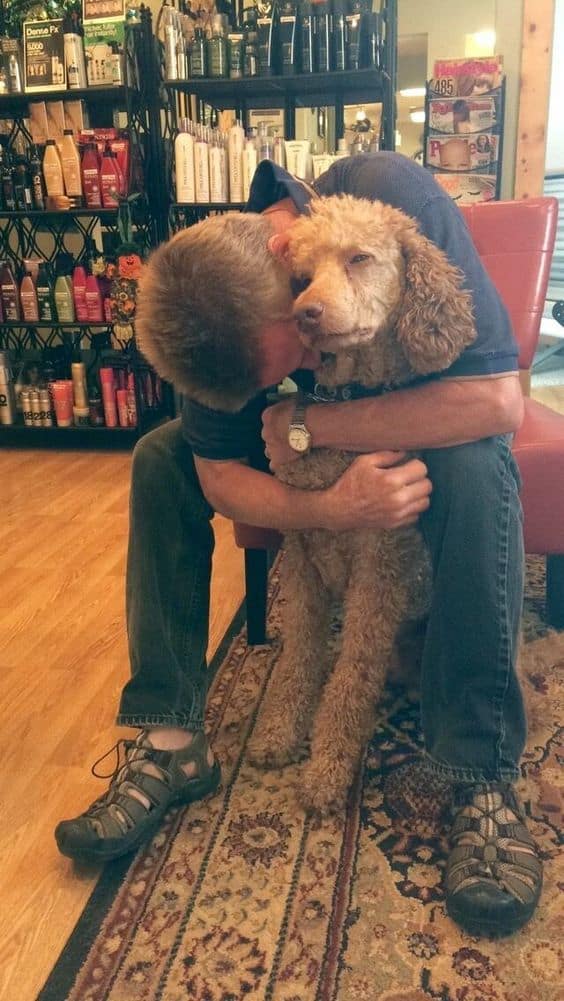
[
  {"x": 555, "y": 590},
  {"x": 256, "y": 581}
]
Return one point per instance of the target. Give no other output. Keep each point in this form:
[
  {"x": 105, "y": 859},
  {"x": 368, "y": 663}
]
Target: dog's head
[{"x": 360, "y": 268}]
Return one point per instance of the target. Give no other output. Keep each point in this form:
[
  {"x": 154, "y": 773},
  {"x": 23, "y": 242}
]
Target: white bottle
[
  {"x": 184, "y": 163},
  {"x": 235, "y": 148},
  {"x": 250, "y": 161},
  {"x": 202, "y": 167},
  {"x": 216, "y": 178},
  {"x": 74, "y": 57},
  {"x": 224, "y": 167}
]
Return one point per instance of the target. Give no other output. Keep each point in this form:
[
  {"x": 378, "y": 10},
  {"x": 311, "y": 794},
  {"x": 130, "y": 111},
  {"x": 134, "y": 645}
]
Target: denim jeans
[{"x": 472, "y": 710}]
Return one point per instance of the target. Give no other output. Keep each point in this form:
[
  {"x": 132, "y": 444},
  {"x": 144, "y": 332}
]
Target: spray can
[{"x": 7, "y": 398}]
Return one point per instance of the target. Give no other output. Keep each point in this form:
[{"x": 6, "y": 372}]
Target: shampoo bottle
[
  {"x": 37, "y": 187},
  {"x": 216, "y": 173},
  {"x": 64, "y": 300},
  {"x": 111, "y": 179},
  {"x": 309, "y": 38},
  {"x": 202, "y": 167},
  {"x": 79, "y": 293},
  {"x": 70, "y": 161},
  {"x": 235, "y": 151},
  {"x": 44, "y": 288},
  {"x": 28, "y": 298},
  {"x": 250, "y": 162},
  {"x": 289, "y": 36},
  {"x": 52, "y": 170},
  {"x": 94, "y": 303},
  {"x": 9, "y": 293},
  {"x": 74, "y": 53},
  {"x": 91, "y": 176},
  {"x": 184, "y": 164}
]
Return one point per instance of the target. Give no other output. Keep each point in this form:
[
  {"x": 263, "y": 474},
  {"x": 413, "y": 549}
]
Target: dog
[{"x": 386, "y": 308}]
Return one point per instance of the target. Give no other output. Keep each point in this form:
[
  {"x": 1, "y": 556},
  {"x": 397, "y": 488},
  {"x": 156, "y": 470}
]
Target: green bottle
[
  {"x": 44, "y": 288},
  {"x": 218, "y": 65}
]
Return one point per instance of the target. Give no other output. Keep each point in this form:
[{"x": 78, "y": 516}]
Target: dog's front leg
[
  {"x": 345, "y": 719},
  {"x": 283, "y": 727}
]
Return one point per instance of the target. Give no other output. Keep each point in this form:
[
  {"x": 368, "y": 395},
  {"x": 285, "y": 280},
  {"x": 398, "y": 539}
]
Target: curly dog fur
[{"x": 392, "y": 310}]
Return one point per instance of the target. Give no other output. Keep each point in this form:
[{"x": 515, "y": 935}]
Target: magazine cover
[
  {"x": 463, "y": 153},
  {"x": 459, "y": 116},
  {"x": 468, "y": 188},
  {"x": 467, "y": 77}
]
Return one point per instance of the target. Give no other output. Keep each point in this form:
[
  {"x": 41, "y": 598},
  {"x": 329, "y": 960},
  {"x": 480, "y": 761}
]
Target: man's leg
[
  {"x": 168, "y": 578},
  {"x": 472, "y": 708}
]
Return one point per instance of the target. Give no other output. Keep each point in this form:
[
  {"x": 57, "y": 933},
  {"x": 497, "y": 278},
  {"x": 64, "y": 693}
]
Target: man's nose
[{"x": 309, "y": 316}]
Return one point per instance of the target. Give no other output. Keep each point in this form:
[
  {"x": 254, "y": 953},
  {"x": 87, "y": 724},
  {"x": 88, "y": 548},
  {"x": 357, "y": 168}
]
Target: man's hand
[
  {"x": 275, "y": 424},
  {"x": 376, "y": 492}
]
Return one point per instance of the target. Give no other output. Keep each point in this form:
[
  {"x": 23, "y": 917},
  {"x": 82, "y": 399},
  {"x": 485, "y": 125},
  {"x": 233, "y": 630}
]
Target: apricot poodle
[{"x": 385, "y": 307}]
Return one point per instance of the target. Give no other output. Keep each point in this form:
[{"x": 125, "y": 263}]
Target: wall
[{"x": 555, "y": 131}]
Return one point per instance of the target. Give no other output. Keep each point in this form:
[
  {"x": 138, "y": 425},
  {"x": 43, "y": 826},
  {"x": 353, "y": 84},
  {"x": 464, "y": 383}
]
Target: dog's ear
[{"x": 435, "y": 323}]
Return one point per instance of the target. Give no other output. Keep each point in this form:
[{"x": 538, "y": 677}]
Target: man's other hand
[{"x": 379, "y": 490}]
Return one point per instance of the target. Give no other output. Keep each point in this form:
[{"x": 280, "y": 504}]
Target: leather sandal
[
  {"x": 118, "y": 822},
  {"x": 494, "y": 870}
]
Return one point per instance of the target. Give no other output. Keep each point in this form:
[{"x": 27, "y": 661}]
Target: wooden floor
[{"x": 63, "y": 661}]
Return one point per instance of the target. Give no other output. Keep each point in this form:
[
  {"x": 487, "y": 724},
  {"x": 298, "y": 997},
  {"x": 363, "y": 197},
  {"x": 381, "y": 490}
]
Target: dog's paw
[
  {"x": 323, "y": 788},
  {"x": 272, "y": 751}
]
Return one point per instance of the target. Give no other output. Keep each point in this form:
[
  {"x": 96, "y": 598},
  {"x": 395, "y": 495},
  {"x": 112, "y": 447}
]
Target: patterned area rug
[{"x": 244, "y": 898}]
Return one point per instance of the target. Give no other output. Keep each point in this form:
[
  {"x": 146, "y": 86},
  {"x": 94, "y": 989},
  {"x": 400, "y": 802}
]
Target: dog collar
[{"x": 342, "y": 394}]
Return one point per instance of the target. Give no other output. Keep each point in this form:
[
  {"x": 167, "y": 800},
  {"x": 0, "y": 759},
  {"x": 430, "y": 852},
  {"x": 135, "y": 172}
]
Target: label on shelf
[{"x": 44, "y": 56}]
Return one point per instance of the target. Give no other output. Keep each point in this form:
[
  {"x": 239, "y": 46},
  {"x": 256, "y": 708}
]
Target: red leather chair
[{"x": 515, "y": 240}]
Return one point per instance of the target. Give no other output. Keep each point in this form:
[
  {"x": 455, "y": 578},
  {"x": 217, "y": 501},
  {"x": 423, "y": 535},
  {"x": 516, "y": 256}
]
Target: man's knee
[
  {"x": 163, "y": 470},
  {"x": 473, "y": 469}
]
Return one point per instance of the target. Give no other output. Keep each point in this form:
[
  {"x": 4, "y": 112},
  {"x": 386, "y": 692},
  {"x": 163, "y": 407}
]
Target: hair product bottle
[
  {"x": 80, "y": 392},
  {"x": 131, "y": 401},
  {"x": 7, "y": 396},
  {"x": 267, "y": 30},
  {"x": 74, "y": 53},
  {"x": 354, "y": 33},
  {"x": 217, "y": 47},
  {"x": 184, "y": 163},
  {"x": 22, "y": 188},
  {"x": 235, "y": 142},
  {"x": 91, "y": 176},
  {"x": 121, "y": 396},
  {"x": 340, "y": 34},
  {"x": 9, "y": 293},
  {"x": 79, "y": 293},
  {"x": 218, "y": 191},
  {"x": 28, "y": 298},
  {"x": 8, "y": 192},
  {"x": 46, "y": 407},
  {"x": 251, "y": 48},
  {"x": 44, "y": 289},
  {"x": 373, "y": 53},
  {"x": 94, "y": 303},
  {"x": 37, "y": 187},
  {"x": 236, "y": 53},
  {"x": 52, "y": 170},
  {"x": 197, "y": 56},
  {"x": 111, "y": 179},
  {"x": 64, "y": 300},
  {"x": 324, "y": 18},
  {"x": 265, "y": 143},
  {"x": 250, "y": 162},
  {"x": 309, "y": 38},
  {"x": 70, "y": 161},
  {"x": 107, "y": 382},
  {"x": 202, "y": 165},
  {"x": 288, "y": 33}
]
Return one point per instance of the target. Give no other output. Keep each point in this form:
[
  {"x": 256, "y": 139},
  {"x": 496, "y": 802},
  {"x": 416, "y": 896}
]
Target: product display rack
[
  {"x": 46, "y": 234},
  {"x": 337, "y": 89}
]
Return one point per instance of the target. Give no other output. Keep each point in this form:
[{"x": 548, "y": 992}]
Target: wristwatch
[{"x": 299, "y": 438}]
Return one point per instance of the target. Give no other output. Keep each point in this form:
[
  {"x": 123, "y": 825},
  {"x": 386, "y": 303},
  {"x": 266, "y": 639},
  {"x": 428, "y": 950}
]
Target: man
[{"x": 209, "y": 284}]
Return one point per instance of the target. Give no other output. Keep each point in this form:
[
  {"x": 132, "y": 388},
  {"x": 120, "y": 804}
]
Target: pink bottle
[
  {"x": 79, "y": 293},
  {"x": 111, "y": 178},
  {"x": 94, "y": 304}
]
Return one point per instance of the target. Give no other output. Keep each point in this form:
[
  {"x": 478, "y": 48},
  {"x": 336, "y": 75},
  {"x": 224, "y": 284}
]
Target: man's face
[{"x": 281, "y": 349}]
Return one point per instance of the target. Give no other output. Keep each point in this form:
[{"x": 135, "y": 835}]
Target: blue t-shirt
[{"x": 402, "y": 183}]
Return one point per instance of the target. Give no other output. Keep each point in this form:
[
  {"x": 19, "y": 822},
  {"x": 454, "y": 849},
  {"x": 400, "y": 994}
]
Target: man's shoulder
[{"x": 383, "y": 176}]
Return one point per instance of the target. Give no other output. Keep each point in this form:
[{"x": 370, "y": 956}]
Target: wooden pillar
[{"x": 536, "y": 51}]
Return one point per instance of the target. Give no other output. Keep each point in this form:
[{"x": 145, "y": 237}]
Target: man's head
[{"x": 214, "y": 314}]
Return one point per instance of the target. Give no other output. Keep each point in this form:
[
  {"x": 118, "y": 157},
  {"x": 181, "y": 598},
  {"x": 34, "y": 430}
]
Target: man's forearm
[
  {"x": 243, "y": 494},
  {"x": 435, "y": 415}
]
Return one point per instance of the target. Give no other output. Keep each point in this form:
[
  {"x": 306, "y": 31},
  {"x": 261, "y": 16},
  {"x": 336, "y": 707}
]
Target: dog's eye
[
  {"x": 359, "y": 258},
  {"x": 299, "y": 285}
]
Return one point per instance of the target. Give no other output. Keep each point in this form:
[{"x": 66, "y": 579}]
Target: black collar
[{"x": 341, "y": 394}]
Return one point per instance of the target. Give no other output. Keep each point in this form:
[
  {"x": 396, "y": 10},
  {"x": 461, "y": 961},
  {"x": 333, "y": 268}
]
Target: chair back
[{"x": 515, "y": 240}]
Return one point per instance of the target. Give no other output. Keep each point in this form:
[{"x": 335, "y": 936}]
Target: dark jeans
[{"x": 473, "y": 718}]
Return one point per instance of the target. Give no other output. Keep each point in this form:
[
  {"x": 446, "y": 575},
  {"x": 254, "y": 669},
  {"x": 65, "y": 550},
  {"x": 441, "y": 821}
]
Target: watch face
[{"x": 298, "y": 439}]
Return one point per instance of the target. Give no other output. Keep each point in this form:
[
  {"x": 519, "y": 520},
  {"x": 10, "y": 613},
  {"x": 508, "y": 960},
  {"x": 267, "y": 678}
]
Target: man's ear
[{"x": 278, "y": 246}]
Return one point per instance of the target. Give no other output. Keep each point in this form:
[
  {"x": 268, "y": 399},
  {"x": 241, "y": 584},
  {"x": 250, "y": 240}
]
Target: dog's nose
[{"x": 309, "y": 315}]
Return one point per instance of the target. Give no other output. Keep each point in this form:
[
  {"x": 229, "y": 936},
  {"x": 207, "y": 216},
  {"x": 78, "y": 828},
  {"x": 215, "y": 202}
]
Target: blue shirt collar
[{"x": 271, "y": 183}]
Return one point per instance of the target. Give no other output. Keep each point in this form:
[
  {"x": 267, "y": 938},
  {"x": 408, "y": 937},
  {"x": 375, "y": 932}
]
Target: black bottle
[
  {"x": 36, "y": 175},
  {"x": 354, "y": 37},
  {"x": 373, "y": 48},
  {"x": 308, "y": 25},
  {"x": 267, "y": 30},
  {"x": 324, "y": 18},
  {"x": 22, "y": 187},
  {"x": 45, "y": 292},
  {"x": 340, "y": 34},
  {"x": 289, "y": 37},
  {"x": 8, "y": 192}
]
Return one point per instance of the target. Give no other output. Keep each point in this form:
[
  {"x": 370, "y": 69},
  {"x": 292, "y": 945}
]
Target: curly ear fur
[{"x": 435, "y": 322}]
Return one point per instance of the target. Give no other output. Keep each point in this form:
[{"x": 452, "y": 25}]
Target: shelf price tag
[{"x": 44, "y": 56}]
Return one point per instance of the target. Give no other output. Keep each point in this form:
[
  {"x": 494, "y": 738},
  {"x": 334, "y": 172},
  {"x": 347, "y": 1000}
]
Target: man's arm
[
  {"x": 374, "y": 492},
  {"x": 436, "y": 414}
]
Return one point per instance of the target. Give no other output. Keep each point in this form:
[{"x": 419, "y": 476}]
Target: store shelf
[
  {"x": 305, "y": 89},
  {"x": 22, "y": 436},
  {"x": 15, "y": 104},
  {"x": 53, "y": 325},
  {"x": 208, "y": 206},
  {"x": 68, "y": 213}
]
